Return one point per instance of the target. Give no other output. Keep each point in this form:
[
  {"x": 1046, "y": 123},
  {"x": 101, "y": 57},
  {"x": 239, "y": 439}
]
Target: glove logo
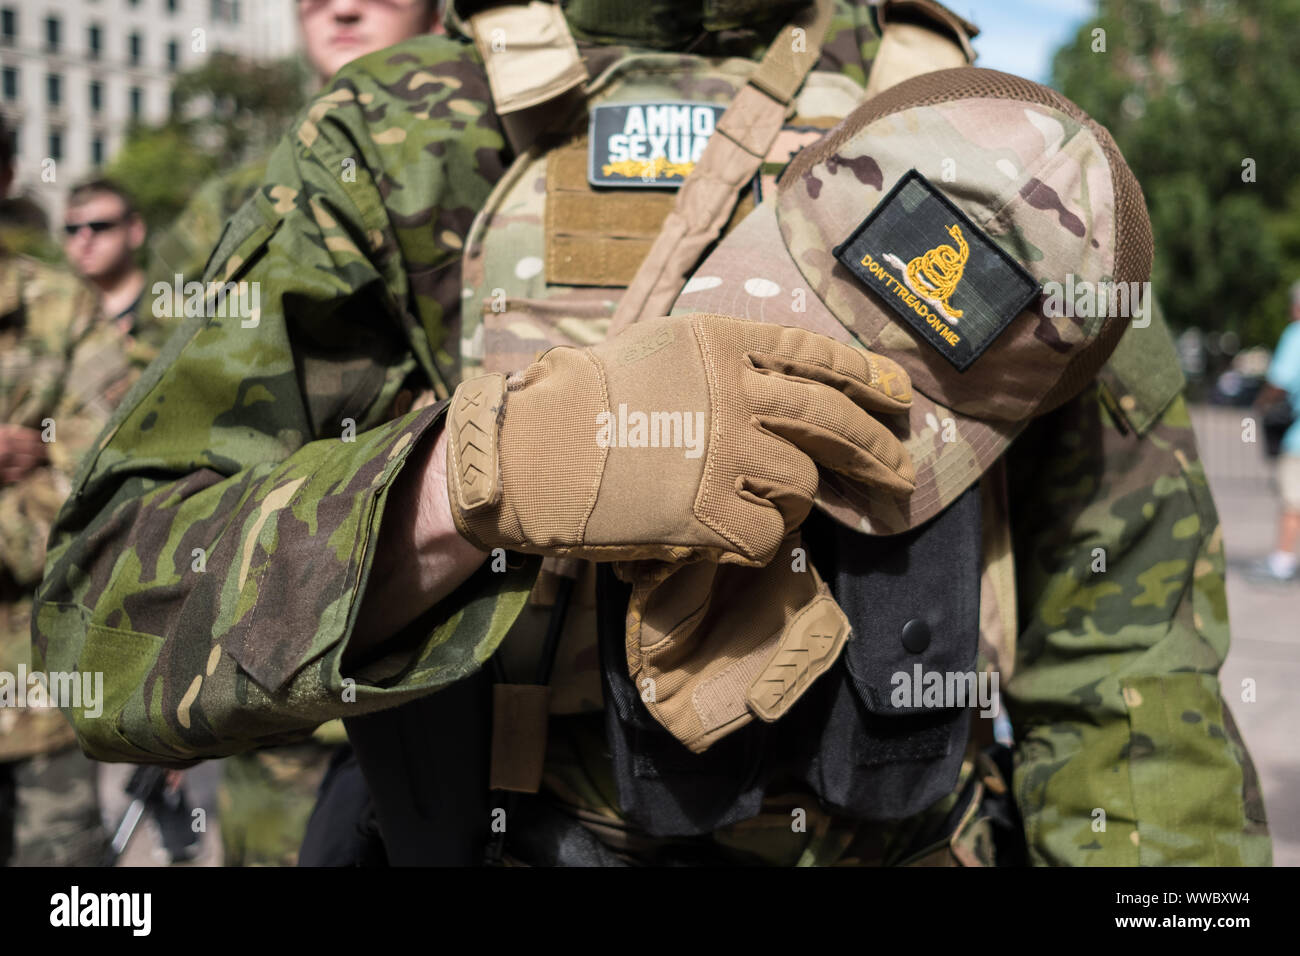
[
  {"x": 958, "y": 294},
  {"x": 646, "y": 346}
]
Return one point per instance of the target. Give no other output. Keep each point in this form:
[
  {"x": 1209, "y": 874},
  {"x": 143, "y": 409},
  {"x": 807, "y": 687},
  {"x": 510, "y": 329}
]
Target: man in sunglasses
[{"x": 102, "y": 233}]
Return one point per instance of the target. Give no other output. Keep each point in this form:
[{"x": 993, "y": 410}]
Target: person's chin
[{"x": 338, "y": 63}]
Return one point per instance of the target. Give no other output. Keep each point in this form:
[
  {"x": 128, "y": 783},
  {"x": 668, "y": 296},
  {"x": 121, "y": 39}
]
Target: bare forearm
[{"x": 420, "y": 557}]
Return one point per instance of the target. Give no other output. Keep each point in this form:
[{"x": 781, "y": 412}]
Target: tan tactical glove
[
  {"x": 711, "y": 646},
  {"x": 682, "y": 438}
]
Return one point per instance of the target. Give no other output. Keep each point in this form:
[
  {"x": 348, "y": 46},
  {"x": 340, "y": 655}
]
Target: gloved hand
[
  {"x": 710, "y": 646},
  {"x": 694, "y": 437}
]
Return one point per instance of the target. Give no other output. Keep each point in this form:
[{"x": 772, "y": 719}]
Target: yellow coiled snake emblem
[{"x": 937, "y": 273}]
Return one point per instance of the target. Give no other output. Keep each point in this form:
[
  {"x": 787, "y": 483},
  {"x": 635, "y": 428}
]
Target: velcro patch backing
[
  {"x": 596, "y": 237},
  {"x": 937, "y": 270}
]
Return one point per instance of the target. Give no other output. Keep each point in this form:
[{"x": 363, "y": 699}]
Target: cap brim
[{"x": 751, "y": 275}]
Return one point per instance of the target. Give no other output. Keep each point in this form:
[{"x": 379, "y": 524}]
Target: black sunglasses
[{"x": 96, "y": 226}]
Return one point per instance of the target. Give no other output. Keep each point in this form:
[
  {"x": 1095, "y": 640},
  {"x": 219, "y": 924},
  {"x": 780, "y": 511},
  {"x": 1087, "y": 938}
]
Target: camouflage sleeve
[
  {"x": 212, "y": 558},
  {"x": 182, "y": 249},
  {"x": 851, "y": 41},
  {"x": 1126, "y": 750}
]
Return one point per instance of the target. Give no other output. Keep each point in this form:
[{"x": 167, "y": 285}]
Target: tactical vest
[{"x": 570, "y": 226}]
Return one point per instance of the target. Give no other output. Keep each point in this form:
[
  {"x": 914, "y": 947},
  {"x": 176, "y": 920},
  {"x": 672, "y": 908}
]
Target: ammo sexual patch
[
  {"x": 937, "y": 270},
  {"x": 647, "y": 144}
]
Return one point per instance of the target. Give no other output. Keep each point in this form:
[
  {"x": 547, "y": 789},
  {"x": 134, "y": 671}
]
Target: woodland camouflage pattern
[
  {"x": 262, "y": 455},
  {"x": 265, "y": 796},
  {"x": 1138, "y": 725},
  {"x": 183, "y": 248}
]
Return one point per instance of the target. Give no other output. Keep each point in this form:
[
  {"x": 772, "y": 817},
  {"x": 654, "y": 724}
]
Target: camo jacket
[{"x": 212, "y": 559}]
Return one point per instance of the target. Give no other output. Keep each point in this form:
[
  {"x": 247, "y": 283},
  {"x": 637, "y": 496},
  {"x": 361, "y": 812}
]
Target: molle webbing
[{"x": 735, "y": 153}]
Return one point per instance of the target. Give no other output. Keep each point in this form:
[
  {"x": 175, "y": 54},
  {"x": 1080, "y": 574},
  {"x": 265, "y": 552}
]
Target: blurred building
[{"x": 74, "y": 74}]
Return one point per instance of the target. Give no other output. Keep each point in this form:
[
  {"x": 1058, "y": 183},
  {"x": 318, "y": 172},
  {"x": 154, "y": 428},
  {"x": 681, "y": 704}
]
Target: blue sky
[{"x": 1020, "y": 36}]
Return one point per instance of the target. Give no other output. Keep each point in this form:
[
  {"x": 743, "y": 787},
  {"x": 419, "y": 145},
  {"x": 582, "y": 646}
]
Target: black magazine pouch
[
  {"x": 662, "y": 786},
  {"x": 892, "y": 739}
]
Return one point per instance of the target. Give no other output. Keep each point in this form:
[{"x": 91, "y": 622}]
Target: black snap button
[{"x": 916, "y": 635}]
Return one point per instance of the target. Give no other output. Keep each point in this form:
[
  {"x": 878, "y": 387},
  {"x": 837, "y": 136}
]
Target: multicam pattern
[
  {"x": 231, "y": 444},
  {"x": 59, "y": 362},
  {"x": 511, "y": 311},
  {"x": 1032, "y": 177},
  {"x": 1006, "y": 155}
]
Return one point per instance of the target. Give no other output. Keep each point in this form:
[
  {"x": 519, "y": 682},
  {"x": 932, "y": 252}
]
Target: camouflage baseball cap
[{"x": 923, "y": 228}]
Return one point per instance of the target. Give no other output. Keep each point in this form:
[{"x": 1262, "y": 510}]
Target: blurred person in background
[
  {"x": 334, "y": 32},
  {"x": 103, "y": 233},
  {"x": 1283, "y": 385},
  {"x": 63, "y": 369},
  {"x": 267, "y": 796}
]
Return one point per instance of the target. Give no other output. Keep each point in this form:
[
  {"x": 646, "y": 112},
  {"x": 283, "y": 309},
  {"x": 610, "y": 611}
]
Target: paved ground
[
  {"x": 146, "y": 846},
  {"x": 1265, "y": 621}
]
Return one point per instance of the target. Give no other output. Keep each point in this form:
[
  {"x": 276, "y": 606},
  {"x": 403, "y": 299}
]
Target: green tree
[
  {"x": 161, "y": 166},
  {"x": 223, "y": 113},
  {"x": 242, "y": 106},
  {"x": 1202, "y": 97}
]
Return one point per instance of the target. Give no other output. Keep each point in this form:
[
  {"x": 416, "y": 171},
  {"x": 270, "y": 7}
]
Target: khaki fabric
[
  {"x": 519, "y": 721},
  {"x": 596, "y": 238},
  {"x": 706, "y": 663},
  {"x": 744, "y": 135},
  {"x": 534, "y": 70},
  {"x": 684, "y": 438},
  {"x": 528, "y": 53},
  {"x": 918, "y": 36}
]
